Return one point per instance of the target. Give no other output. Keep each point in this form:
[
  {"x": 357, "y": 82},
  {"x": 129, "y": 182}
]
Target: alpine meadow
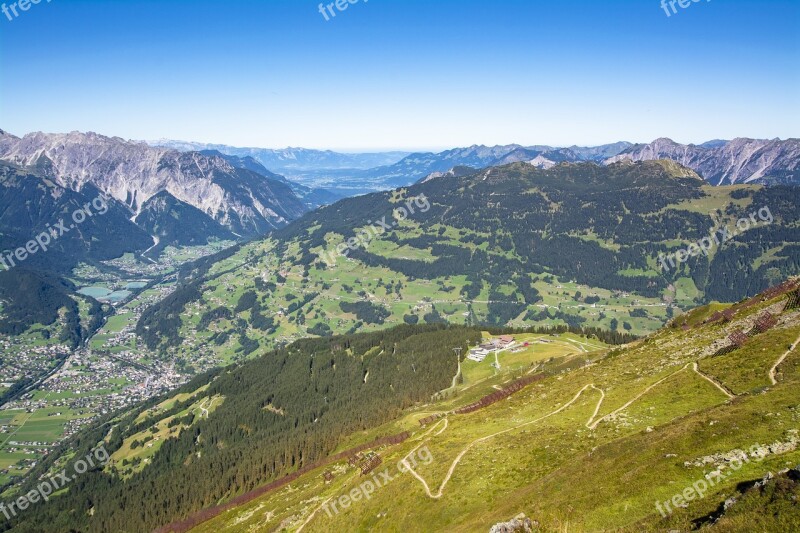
[{"x": 507, "y": 267}]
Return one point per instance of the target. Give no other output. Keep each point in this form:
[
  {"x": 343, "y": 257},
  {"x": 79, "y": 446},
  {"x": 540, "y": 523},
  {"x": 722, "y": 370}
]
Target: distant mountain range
[
  {"x": 727, "y": 162},
  {"x": 335, "y": 173},
  {"x": 313, "y": 198},
  {"x": 188, "y": 197},
  {"x": 342, "y": 174},
  {"x": 419, "y": 166},
  {"x": 353, "y": 174},
  {"x": 288, "y": 159},
  {"x": 720, "y": 162}
]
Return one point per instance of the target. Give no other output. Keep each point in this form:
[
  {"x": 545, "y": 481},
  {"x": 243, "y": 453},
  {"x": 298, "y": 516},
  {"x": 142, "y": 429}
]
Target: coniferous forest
[{"x": 287, "y": 409}]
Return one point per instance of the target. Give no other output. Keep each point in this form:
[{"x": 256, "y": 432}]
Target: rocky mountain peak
[
  {"x": 741, "y": 160},
  {"x": 242, "y": 200}
]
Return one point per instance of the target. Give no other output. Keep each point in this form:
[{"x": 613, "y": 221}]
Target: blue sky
[{"x": 408, "y": 74}]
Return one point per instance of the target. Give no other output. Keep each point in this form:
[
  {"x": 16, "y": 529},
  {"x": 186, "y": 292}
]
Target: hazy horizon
[{"x": 435, "y": 149}]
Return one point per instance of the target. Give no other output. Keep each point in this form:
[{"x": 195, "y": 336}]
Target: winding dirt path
[
  {"x": 421, "y": 437},
  {"x": 596, "y": 409},
  {"x": 482, "y": 439},
  {"x": 458, "y": 373},
  {"x": 713, "y": 381},
  {"x": 203, "y": 409},
  {"x": 313, "y": 514},
  {"x": 774, "y": 369},
  {"x": 590, "y": 424},
  {"x": 645, "y": 391}
]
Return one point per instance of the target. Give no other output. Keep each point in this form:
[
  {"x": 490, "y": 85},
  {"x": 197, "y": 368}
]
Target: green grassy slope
[{"x": 593, "y": 448}]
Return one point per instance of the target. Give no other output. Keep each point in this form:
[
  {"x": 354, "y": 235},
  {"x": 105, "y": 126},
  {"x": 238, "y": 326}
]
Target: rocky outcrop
[
  {"x": 519, "y": 524},
  {"x": 756, "y": 452}
]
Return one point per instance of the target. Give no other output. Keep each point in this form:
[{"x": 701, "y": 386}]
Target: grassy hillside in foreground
[
  {"x": 234, "y": 429},
  {"x": 513, "y": 246},
  {"x": 248, "y": 424},
  {"x": 591, "y": 449}
]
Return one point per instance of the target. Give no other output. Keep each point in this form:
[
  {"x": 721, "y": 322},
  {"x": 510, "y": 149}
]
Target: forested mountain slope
[
  {"x": 249, "y": 424},
  {"x": 577, "y": 244}
]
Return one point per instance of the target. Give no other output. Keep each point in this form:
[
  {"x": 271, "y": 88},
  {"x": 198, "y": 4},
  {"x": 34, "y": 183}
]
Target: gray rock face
[
  {"x": 725, "y": 163},
  {"x": 240, "y": 199},
  {"x": 520, "y": 524},
  {"x": 757, "y": 452}
]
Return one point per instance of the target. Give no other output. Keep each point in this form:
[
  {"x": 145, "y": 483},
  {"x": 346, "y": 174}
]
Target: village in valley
[{"x": 51, "y": 391}]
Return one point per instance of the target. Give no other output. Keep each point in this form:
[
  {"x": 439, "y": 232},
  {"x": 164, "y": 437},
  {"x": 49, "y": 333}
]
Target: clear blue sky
[{"x": 403, "y": 74}]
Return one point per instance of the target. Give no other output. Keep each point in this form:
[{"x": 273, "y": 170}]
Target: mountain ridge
[
  {"x": 243, "y": 201},
  {"x": 32, "y": 203},
  {"x": 313, "y": 198},
  {"x": 741, "y": 160},
  {"x": 420, "y": 165}
]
